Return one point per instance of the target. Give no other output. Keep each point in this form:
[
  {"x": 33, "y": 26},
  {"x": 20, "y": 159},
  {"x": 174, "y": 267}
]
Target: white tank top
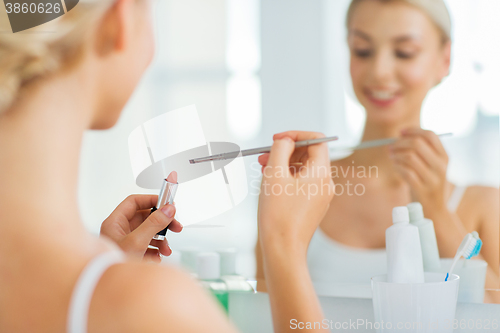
[
  {"x": 332, "y": 262},
  {"x": 84, "y": 289}
]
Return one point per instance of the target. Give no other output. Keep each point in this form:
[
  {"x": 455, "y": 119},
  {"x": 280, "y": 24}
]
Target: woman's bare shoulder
[
  {"x": 142, "y": 297},
  {"x": 482, "y": 196},
  {"x": 482, "y": 202}
]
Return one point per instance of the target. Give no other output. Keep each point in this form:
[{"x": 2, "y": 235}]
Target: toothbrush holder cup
[{"x": 415, "y": 307}]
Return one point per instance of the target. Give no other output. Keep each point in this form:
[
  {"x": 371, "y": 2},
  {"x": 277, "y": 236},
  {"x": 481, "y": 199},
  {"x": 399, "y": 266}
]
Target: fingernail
[{"x": 168, "y": 210}]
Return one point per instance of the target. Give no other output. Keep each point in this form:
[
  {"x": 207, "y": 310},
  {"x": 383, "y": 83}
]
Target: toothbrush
[
  {"x": 479, "y": 244},
  {"x": 470, "y": 247}
]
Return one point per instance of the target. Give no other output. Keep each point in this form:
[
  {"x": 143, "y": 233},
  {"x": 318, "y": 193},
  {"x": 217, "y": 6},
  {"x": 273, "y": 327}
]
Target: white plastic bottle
[
  {"x": 189, "y": 259},
  {"x": 428, "y": 242},
  {"x": 404, "y": 254},
  {"x": 208, "y": 271},
  {"x": 234, "y": 282}
]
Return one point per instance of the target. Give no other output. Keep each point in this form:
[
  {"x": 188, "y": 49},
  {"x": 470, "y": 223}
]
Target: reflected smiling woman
[
  {"x": 54, "y": 275},
  {"x": 399, "y": 50}
]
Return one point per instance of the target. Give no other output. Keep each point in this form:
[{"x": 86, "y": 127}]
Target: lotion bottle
[
  {"x": 428, "y": 242},
  {"x": 234, "y": 282},
  {"x": 404, "y": 253}
]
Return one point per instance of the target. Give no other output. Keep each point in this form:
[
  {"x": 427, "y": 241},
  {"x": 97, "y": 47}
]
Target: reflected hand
[
  {"x": 132, "y": 227},
  {"x": 293, "y": 199},
  {"x": 421, "y": 159}
]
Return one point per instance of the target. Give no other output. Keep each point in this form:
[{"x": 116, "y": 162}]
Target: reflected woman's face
[{"x": 397, "y": 55}]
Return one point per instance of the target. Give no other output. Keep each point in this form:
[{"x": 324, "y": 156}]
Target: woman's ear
[
  {"x": 444, "y": 71},
  {"x": 115, "y": 28}
]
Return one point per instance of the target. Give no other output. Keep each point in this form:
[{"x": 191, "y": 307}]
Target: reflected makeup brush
[{"x": 166, "y": 197}]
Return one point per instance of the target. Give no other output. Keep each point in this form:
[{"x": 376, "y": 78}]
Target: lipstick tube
[{"x": 167, "y": 195}]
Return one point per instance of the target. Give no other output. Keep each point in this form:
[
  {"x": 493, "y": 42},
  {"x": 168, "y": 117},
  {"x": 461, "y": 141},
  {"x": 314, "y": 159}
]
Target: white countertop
[{"x": 252, "y": 314}]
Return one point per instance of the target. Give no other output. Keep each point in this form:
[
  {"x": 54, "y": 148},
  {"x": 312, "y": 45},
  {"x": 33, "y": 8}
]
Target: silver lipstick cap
[{"x": 167, "y": 194}]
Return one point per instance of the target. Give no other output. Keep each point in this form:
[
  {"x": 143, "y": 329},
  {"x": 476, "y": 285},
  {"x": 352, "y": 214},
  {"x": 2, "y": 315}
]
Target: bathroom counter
[{"x": 252, "y": 314}]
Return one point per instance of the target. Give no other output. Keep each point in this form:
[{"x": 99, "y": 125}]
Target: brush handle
[
  {"x": 455, "y": 260},
  {"x": 257, "y": 151}
]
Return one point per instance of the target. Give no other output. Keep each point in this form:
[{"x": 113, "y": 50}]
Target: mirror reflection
[{"x": 362, "y": 70}]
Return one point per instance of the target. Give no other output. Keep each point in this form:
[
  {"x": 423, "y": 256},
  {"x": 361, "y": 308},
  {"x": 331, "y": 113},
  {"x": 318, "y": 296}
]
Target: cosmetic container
[
  {"x": 189, "y": 259},
  {"x": 234, "y": 282},
  {"x": 208, "y": 271},
  {"x": 166, "y": 197},
  {"x": 428, "y": 242},
  {"x": 404, "y": 254},
  {"x": 472, "y": 274},
  {"x": 415, "y": 307},
  {"x": 173, "y": 259}
]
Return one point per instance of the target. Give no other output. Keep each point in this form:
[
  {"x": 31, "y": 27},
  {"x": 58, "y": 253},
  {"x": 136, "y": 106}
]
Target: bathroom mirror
[{"x": 254, "y": 68}]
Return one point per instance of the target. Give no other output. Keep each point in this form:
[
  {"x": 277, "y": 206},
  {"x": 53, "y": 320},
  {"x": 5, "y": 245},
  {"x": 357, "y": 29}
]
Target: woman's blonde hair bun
[{"x": 42, "y": 50}]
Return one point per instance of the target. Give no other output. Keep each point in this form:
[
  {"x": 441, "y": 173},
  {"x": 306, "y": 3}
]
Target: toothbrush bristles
[{"x": 473, "y": 248}]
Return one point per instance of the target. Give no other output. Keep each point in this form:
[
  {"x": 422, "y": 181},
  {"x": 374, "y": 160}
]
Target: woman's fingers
[
  {"x": 281, "y": 152},
  {"x": 411, "y": 160},
  {"x": 139, "y": 217},
  {"x": 132, "y": 226},
  {"x": 140, "y": 238},
  {"x": 409, "y": 175},
  {"x": 263, "y": 159},
  {"x": 429, "y": 136},
  {"x": 421, "y": 147},
  {"x": 175, "y": 226},
  {"x": 162, "y": 246},
  {"x": 298, "y": 135},
  {"x": 152, "y": 255},
  {"x": 142, "y": 215},
  {"x": 133, "y": 203},
  {"x": 314, "y": 152},
  {"x": 299, "y": 155},
  {"x": 415, "y": 154}
]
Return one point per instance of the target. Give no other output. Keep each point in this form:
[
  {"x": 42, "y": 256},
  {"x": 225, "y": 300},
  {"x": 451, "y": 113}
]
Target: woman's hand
[
  {"x": 132, "y": 226},
  {"x": 296, "y": 190},
  {"x": 295, "y": 194},
  {"x": 422, "y": 161}
]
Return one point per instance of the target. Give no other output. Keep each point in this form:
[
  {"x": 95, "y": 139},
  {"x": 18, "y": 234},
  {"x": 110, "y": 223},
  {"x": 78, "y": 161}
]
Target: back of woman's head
[{"x": 43, "y": 50}]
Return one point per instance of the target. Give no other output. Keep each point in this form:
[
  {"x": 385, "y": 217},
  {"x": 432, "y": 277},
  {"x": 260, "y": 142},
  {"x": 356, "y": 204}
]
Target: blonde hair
[
  {"x": 435, "y": 9},
  {"x": 43, "y": 50}
]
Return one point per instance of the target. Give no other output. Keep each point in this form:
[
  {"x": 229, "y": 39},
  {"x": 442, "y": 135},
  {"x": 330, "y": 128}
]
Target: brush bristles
[{"x": 473, "y": 248}]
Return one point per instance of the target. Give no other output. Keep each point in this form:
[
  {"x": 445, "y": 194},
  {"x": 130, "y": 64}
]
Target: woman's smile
[{"x": 382, "y": 97}]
